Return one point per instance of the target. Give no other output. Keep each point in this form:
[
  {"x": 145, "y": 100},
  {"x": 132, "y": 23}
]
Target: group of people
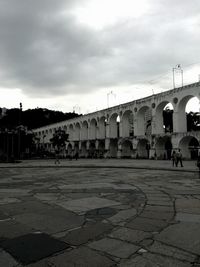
[{"x": 176, "y": 158}]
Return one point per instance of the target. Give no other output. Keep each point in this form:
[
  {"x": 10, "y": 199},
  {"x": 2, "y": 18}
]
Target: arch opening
[
  {"x": 114, "y": 126},
  {"x": 193, "y": 114},
  {"x": 101, "y": 149},
  {"x": 163, "y": 147},
  {"x": 164, "y": 118},
  {"x": 92, "y": 150},
  {"x": 142, "y": 149},
  {"x": 77, "y": 132},
  {"x": 113, "y": 148},
  {"x": 93, "y": 129},
  {"x": 189, "y": 146},
  {"x": 69, "y": 150},
  {"x": 127, "y": 124},
  {"x": 144, "y": 118},
  {"x": 84, "y": 153},
  {"x": 185, "y": 122},
  {"x": 127, "y": 149},
  {"x": 102, "y": 128},
  {"x": 84, "y": 131},
  {"x": 71, "y": 130}
]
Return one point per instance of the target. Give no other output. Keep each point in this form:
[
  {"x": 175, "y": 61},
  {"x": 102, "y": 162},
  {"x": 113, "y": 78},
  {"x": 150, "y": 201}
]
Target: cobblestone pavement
[{"x": 99, "y": 217}]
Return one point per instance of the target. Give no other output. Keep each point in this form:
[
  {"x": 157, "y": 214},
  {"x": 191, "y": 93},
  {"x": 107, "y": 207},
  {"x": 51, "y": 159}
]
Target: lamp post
[
  {"x": 19, "y": 129},
  {"x": 177, "y": 68},
  {"x": 108, "y": 97}
]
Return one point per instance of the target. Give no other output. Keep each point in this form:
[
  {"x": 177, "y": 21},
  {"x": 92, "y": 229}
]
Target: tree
[
  {"x": 32, "y": 118},
  {"x": 59, "y": 139}
]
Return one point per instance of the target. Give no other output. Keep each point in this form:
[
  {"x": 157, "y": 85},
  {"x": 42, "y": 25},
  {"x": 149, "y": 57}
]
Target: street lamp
[
  {"x": 176, "y": 69},
  {"x": 108, "y": 97},
  {"x": 19, "y": 129}
]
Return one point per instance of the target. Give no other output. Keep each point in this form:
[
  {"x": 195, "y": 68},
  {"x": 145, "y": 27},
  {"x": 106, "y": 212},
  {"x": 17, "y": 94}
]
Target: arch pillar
[
  {"x": 179, "y": 125},
  {"x": 120, "y": 128},
  {"x": 97, "y": 130},
  {"x": 107, "y": 148},
  {"x": 135, "y": 121},
  {"x": 175, "y": 142},
  {"x": 153, "y": 124},
  {"x": 107, "y": 130},
  {"x": 119, "y": 151},
  {"x": 134, "y": 148}
]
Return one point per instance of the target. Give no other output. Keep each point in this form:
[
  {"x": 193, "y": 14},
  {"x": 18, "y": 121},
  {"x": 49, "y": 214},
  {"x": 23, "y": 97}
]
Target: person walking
[
  {"x": 179, "y": 158},
  {"x": 76, "y": 155},
  {"x": 198, "y": 163},
  {"x": 173, "y": 157},
  {"x": 57, "y": 154}
]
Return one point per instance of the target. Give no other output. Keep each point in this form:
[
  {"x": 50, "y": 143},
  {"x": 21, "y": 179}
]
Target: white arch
[{"x": 181, "y": 120}]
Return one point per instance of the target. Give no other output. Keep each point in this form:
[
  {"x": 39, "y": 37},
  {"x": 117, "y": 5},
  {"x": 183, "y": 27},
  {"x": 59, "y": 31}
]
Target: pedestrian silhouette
[
  {"x": 179, "y": 158},
  {"x": 173, "y": 157}
]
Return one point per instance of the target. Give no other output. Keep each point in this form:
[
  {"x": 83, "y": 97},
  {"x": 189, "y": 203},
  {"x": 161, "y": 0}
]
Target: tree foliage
[
  {"x": 59, "y": 139},
  {"x": 33, "y": 118}
]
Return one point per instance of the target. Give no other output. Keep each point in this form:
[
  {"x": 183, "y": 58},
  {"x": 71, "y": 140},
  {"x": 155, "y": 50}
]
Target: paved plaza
[{"x": 99, "y": 213}]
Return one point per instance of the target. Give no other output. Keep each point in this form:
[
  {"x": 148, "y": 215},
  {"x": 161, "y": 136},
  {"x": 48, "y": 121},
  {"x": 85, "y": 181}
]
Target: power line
[{"x": 164, "y": 74}]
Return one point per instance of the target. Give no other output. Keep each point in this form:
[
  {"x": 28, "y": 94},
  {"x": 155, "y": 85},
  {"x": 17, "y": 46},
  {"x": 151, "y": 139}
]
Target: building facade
[{"x": 132, "y": 130}]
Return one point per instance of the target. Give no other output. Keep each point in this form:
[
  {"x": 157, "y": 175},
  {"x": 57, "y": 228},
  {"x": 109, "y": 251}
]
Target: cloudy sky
[{"x": 88, "y": 54}]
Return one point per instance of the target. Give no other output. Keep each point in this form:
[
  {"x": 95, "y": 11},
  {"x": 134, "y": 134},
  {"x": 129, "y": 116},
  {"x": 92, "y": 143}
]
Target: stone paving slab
[
  {"x": 157, "y": 208},
  {"x": 171, "y": 251},
  {"x": 84, "y": 234},
  {"x": 187, "y": 217},
  {"x": 114, "y": 247},
  {"x": 183, "y": 235},
  {"x": 152, "y": 260},
  {"x": 167, "y": 216},
  {"x": 86, "y": 204},
  {"x": 188, "y": 205},
  {"x": 129, "y": 235},
  {"x": 6, "y": 260},
  {"x": 11, "y": 229},
  {"x": 81, "y": 257},
  {"x": 48, "y": 223},
  {"x": 146, "y": 224},
  {"x": 122, "y": 216},
  {"x": 32, "y": 247}
]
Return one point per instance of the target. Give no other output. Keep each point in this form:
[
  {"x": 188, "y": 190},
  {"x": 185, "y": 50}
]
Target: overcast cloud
[{"x": 46, "y": 50}]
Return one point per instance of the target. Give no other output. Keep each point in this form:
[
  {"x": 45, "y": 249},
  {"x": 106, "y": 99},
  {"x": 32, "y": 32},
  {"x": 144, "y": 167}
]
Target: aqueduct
[{"x": 131, "y": 130}]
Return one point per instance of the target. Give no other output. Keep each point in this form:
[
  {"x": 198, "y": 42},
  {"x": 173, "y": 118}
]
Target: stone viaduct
[{"x": 131, "y": 130}]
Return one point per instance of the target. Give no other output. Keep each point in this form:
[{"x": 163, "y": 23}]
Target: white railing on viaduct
[{"x": 134, "y": 129}]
